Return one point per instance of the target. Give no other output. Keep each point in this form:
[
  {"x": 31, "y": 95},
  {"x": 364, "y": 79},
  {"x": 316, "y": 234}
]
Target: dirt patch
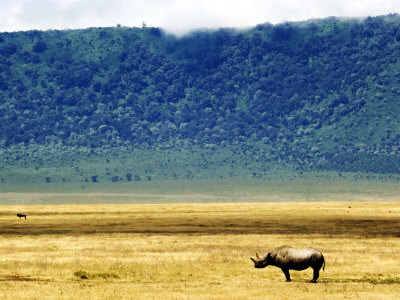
[{"x": 20, "y": 278}]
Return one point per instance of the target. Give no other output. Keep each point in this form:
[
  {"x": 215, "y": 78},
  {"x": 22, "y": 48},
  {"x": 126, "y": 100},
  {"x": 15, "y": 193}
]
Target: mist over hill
[{"x": 315, "y": 95}]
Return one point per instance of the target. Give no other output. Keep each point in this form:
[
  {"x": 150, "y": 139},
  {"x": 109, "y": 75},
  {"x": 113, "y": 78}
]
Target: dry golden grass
[{"x": 197, "y": 251}]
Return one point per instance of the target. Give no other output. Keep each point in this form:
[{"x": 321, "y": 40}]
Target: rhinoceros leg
[
  {"x": 316, "y": 275},
  {"x": 286, "y": 272}
]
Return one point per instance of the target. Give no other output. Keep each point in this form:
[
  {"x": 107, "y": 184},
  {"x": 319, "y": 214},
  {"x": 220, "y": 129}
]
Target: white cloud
[{"x": 177, "y": 16}]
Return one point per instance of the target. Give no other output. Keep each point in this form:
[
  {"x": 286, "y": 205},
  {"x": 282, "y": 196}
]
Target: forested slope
[{"x": 322, "y": 94}]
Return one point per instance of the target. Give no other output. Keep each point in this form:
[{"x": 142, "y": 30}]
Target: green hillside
[{"x": 320, "y": 95}]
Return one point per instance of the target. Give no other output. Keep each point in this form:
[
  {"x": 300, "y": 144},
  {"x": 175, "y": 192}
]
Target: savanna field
[{"x": 199, "y": 250}]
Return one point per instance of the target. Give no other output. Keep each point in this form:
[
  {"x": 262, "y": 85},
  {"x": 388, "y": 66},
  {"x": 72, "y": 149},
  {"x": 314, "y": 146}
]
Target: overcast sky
[{"x": 178, "y": 16}]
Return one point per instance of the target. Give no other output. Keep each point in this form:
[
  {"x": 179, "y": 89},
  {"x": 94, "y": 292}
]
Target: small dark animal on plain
[
  {"x": 21, "y": 216},
  {"x": 288, "y": 258}
]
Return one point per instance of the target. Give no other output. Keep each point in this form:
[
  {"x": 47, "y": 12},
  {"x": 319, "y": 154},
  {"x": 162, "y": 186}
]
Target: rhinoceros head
[{"x": 260, "y": 262}]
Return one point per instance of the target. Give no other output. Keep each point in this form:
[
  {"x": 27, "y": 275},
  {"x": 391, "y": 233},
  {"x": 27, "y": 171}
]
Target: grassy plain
[
  {"x": 285, "y": 186},
  {"x": 197, "y": 251}
]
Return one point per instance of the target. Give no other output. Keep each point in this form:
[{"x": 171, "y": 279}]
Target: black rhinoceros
[{"x": 288, "y": 258}]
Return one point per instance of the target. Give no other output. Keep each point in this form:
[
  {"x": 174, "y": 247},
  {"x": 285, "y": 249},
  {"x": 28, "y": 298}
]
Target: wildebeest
[
  {"x": 288, "y": 258},
  {"x": 21, "y": 216}
]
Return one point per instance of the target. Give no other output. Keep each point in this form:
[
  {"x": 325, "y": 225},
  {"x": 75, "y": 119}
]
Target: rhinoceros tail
[{"x": 323, "y": 268}]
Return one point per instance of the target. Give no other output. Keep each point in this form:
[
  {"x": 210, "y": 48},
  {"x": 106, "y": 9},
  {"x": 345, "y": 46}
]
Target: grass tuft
[
  {"x": 387, "y": 280},
  {"x": 82, "y": 274},
  {"x": 86, "y": 275},
  {"x": 373, "y": 280}
]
